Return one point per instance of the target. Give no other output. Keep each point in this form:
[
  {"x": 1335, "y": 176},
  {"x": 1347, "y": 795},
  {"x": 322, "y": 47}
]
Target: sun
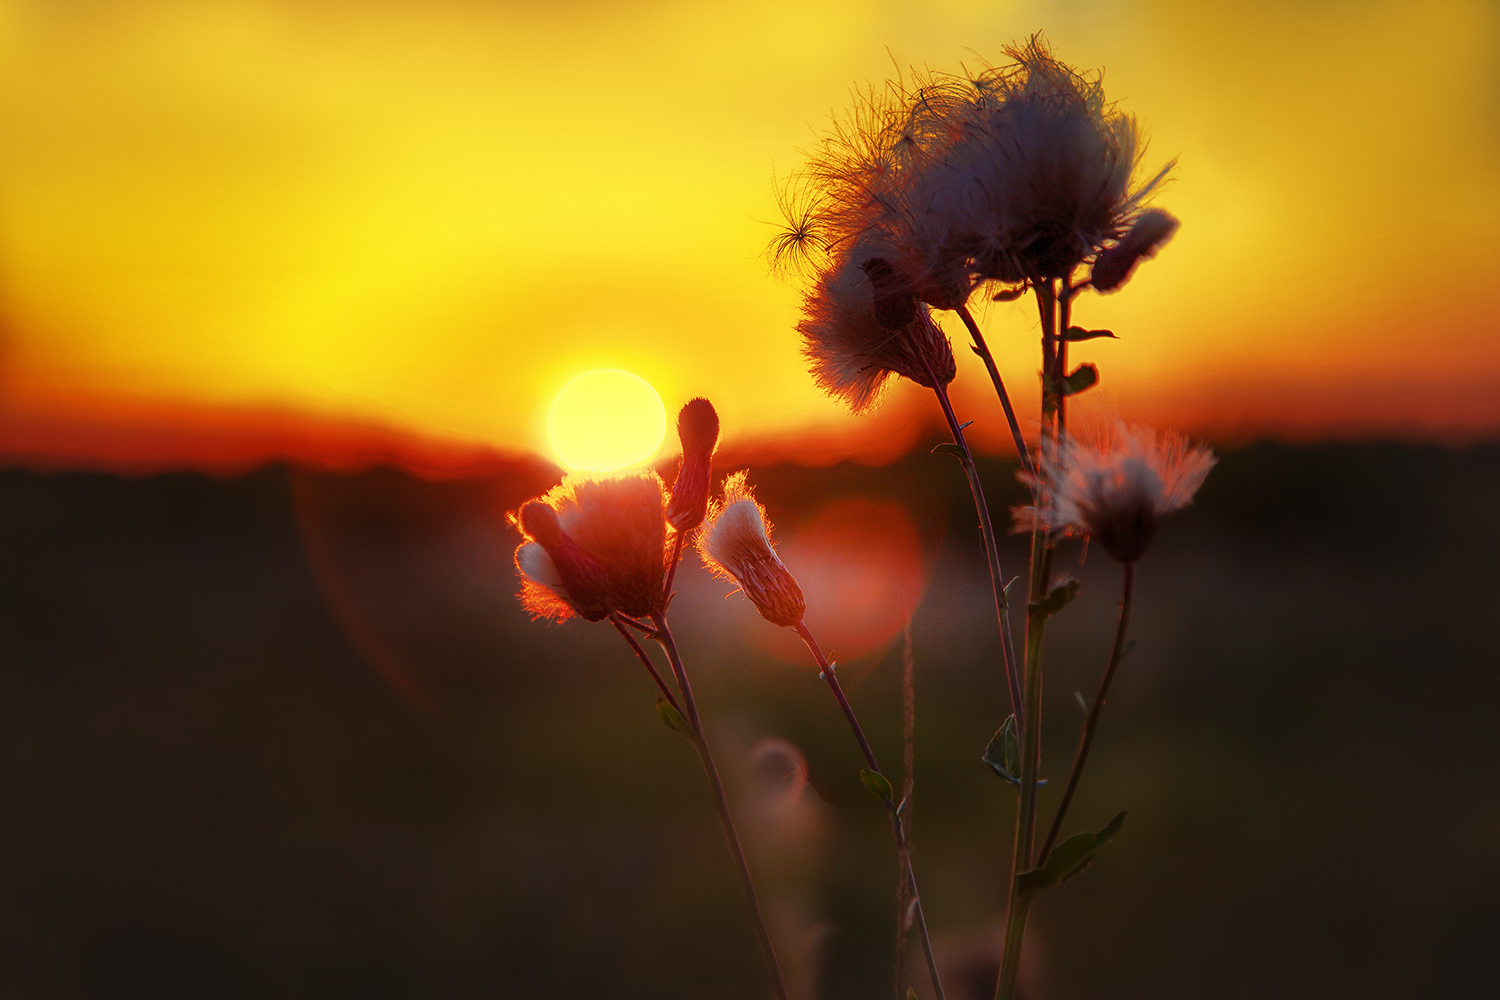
[{"x": 606, "y": 419}]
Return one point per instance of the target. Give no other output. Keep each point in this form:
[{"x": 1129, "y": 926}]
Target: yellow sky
[{"x": 431, "y": 214}]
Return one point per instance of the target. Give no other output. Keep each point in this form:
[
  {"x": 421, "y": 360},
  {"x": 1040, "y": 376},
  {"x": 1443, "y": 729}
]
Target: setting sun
[{"x": 606, "y": 419}]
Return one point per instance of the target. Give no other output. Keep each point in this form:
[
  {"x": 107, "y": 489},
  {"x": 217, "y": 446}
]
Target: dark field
[{"x": 291, "y": 736}]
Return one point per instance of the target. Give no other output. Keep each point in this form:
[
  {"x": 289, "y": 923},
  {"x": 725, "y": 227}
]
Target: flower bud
[
  {"x": 698, "y": 429},
  {"x": 1150, "y": 232},
  {"x": 561, "y": 567},
  {"x": 737, "y": 546}
]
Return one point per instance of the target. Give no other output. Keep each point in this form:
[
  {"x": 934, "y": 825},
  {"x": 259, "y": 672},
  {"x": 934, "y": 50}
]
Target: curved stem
[
  {"x": 898, "y": 830},
  {"x": 721, "y": 801},
  {"x": 983, "y": 350},
  {"x": 991, "y": 551},
  {"x": 1092, "y": 723},
  {"x": 646, "y": 660}
]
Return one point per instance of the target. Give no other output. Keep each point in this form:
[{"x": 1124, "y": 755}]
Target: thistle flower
[
  {"x": 1115, "y": 489},
  {"x": 861, "y": 327},
  {"x": 594, "y": 546},
  {"x": 1112, "y": 267},
  {"x": 737, "y": 546},
  {"x": 698, "y": 430},
  {"x": 1018, "y": 173}
]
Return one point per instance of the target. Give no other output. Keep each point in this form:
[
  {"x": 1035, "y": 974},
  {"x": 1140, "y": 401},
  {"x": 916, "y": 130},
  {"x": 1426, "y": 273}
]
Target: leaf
[
  {"x": 877, "y": 783},
  {"x": 949, "y": 448},
  {"x": 1060, "y": 597},
  {"x": 1083, "y": 377},
  {"x": 1083, "y": 702},
  {"x": 1009, "y": 295},
  {"x": 673, "y": 719},
  {"x": 1127, "y": 649},
  {"x": 1069, "y": 858},
  {"x": 911, "y": 994},
  {"x": 1077, "y": 333},
  {"x": 1003, "y": 754}
]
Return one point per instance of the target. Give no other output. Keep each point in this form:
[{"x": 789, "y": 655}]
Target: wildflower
[
  {"x": 860, "y": 328},
  {"x": 1019, "y": 173},
  {"x": 737, "y": 546},
  {"x": 1116, "y": 489},
  {"x": 698, "y": 429},
  {"x": 594, "y": 546}
]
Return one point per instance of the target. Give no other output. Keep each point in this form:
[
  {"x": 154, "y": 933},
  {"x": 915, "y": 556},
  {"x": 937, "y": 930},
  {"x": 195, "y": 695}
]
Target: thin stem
[
  {"x": 1092, "y": 723},
  {"x": 721, "y": 801},
  {"x": 991, "y": 551},
  {"x": 672, "y": 564},
  {"x": 898, "y": 831},
  {"x": 1065, "y": 310},
  {"x": 904, "y": 902},
  {"x": 646, "y": 660},
  {"x": 983, "y": 350}
]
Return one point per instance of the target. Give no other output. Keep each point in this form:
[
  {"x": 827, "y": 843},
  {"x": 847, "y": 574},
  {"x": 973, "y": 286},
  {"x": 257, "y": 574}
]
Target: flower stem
[
  {"x": 991, "y": 551},
  {"x": 672, "y": 564},
  {"x": 721, "y": 801},
  {"x": 1092, "y": 723},
  {"x": 646, "y": 660},
  {"x": 898, "y": 830},
  {"x": 983, "y": 350}
]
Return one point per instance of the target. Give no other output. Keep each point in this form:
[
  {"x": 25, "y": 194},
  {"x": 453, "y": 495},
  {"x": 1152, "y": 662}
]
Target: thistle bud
[
  {"x": 1150, "y": 232},
  {"x": 737, "y": 546},
  {"x": 555, "y": 563},
  {"x": 698, "y": 429}
]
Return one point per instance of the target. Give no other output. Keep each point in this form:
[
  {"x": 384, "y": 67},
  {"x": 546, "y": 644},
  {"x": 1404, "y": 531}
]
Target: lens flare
[{"x": 606, "y": 419}]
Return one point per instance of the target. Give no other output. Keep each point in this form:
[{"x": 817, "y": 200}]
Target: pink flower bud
[
  {"x": 698, "y": 429},
  {"x": 561, "y": 569},
  {"x": 737, "y": 546},
  {"x": 1150, "y": 232}
]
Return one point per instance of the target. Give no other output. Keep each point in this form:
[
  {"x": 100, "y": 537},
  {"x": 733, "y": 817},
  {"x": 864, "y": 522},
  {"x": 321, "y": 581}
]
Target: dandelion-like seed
[
  {"x": 1115, "y": 489},
  {"x": 737, "y": 546},
  {"x": 593, "y": 546}
]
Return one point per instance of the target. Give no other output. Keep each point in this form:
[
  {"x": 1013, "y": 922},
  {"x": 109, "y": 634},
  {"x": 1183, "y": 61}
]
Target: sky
[{"x": 235, "y": 230}]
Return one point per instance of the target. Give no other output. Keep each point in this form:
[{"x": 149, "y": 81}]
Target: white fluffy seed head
[{"x": 736, "y": 544}]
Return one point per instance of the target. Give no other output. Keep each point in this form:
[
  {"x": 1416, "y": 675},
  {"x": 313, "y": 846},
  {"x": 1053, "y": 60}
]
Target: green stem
[
  {"x": 1092, "y": 723},
  {"x": 983, "y": 350},
  {"x": 721, "y": 801},
  {"x": 898, "y": 829},
  {"x": 646, "y": 660}
]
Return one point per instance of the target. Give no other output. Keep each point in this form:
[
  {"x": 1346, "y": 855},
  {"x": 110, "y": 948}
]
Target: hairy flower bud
[
  {"x": 1150, "y": 232},
  {"x": 698, "y": 429},
  {"x": 737, "y": 546},
  {"x": 594, "y": 546}
]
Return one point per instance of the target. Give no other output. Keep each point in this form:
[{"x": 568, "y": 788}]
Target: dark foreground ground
[{"x": 290, "y": 736}]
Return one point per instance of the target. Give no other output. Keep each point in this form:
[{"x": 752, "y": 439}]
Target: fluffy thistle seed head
[
  {"x": 1114, "y": 489},
  {"x": 736, "y": 545},
  {"x": 1017, "y": 173},
  {"x": 698, "y": 429},
  {"x": 851, "y": 347},
  {"x": 593, "y": 546}
]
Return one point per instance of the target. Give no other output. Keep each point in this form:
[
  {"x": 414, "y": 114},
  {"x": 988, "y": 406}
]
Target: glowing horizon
[{"x": 428, "y": 218}]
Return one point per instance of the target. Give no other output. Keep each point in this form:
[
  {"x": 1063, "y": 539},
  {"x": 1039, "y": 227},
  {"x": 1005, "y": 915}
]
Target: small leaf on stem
[
  {"x": 1083, "y": 377},
  {"x": 1127, "y": 649},
  {"x": 1009, "y": 295},
  {"x": 1083, "y": 702},
  {"x": 1003, "y": 754},
  {"x": 673, "y": 719},
  {"x": 948, "y": 448},
  {"x": 877, "y": 783},
  {"x": 1077, "y": 333},
  {"x": 1069, "y": 858},
  {"x": 1060, "y": 597}
]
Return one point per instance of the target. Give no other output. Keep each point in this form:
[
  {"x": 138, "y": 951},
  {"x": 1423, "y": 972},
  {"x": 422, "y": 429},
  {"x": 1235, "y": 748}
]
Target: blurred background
[{"x": 286, "y": 292}]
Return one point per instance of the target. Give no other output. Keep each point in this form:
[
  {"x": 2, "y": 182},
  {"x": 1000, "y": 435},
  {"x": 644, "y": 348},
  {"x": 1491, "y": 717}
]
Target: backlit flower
[
  {"x": 1114, "y": 489},
  {"x": 594, "y": 545},
  {"x": 736, "y": 544},
  {"x": 1020, "y": 172},
  {"x": 861, "y": 327}
]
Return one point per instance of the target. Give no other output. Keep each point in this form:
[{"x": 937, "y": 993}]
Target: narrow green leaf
[
  {"x": 1060, "y": 597},
  {"x": 1077, "y": 333},
  {"x": 1083, "y": 702},
  {"x": 948, "y": 448},
  {"x": 1127, "y": 649},
  {"x": 1083, "y": 377},
  {"x": 1070, "y": 857},
  {"x": 673, "y": 719},
  {"x": 911, "y": 994},
  {"x": 1003, "y": 754},
  {"x": 877, "y": 783},
  {"x": 1009, "y": 295}
]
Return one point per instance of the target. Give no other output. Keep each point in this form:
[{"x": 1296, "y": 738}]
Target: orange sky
[{"x": 235, "y": 230}]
